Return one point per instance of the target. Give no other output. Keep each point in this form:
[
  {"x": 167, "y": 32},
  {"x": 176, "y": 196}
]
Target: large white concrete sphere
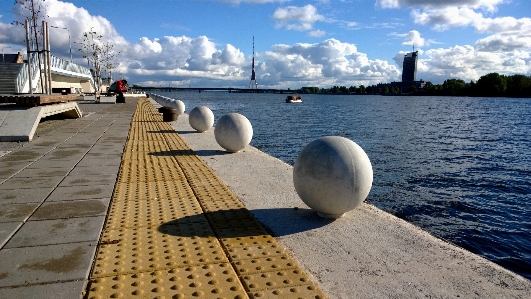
[
  {"x": 332, "y": 175},
  {"x": 179, "y": 105},
  {"x": 233, "y": 132},
  {"x": 201, "y": 118}
]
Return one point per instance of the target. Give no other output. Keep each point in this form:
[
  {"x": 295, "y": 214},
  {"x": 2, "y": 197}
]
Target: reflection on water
[{"x": 458, "y": 167}]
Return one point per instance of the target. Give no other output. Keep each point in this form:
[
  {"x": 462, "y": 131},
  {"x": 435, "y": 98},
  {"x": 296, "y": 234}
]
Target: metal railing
[{"x": 22, "y": 79}]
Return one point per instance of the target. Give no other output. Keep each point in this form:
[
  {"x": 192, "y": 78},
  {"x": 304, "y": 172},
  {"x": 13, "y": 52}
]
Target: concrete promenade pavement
[
  {"x": 55, "y": 193},
  {"x": 367, "y": 253}
]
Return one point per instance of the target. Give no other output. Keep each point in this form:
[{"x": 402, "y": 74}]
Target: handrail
[
  {"x": 21, "y": 81},
  {"x": 21, "y": 78}
]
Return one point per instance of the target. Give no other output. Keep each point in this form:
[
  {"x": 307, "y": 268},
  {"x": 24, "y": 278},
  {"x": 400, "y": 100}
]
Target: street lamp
[{"x": 69, "y": 42}]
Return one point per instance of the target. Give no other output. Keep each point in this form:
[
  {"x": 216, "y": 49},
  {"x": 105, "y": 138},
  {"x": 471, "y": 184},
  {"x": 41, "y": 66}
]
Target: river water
[{"x": 458, "y": 167}]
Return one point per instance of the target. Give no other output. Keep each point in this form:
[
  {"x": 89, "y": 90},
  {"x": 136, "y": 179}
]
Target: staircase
[{"x": 8, "y": 76}]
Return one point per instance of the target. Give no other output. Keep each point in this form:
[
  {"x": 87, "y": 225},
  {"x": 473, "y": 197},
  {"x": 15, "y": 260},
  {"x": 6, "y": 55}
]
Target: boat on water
[{"x": 293, "y": 99}]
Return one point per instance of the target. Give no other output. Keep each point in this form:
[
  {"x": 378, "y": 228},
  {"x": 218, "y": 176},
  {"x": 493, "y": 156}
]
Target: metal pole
[
  {"x": 44, "y": 71},
  {"x": 29, "y": 57},
  {"x": 70, "y": 43},
  {"x": 48, "y": 58}
]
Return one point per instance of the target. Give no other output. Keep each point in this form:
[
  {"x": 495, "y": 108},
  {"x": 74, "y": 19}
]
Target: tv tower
[{"x": 253, "y": 74}]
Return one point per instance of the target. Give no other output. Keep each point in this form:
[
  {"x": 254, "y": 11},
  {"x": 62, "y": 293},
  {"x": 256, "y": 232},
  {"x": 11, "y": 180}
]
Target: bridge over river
[{"x": 221, "y": 89}]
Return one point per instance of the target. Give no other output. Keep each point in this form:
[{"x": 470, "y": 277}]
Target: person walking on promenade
[{"x": 121, "y": 86}]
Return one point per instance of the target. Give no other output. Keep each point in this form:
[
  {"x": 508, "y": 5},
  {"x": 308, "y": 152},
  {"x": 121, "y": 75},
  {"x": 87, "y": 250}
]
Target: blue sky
[{"x": 297, "y": 43}]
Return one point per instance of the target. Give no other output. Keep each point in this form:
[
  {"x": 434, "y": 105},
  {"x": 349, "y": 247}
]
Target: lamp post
[{"x": 69, "y": 42}]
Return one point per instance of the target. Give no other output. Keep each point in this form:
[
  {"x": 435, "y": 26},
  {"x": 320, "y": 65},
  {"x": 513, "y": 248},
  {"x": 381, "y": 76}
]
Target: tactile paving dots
[{"x": 161, "y": 236}]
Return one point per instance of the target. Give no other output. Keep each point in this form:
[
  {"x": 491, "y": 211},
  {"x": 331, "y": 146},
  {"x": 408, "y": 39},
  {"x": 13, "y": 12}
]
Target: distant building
[{"x": 409, "y": 69}]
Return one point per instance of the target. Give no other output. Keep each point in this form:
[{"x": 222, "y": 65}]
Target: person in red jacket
[{"x": 121, "y": 86}]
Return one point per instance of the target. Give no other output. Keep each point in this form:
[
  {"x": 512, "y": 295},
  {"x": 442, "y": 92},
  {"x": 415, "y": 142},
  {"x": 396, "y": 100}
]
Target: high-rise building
[{"x": 409, "y": 69}]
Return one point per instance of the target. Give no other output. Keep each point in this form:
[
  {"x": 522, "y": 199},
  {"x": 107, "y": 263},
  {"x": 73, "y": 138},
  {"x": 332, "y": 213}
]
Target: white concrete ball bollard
[
  {"x": 165, "y": 102},
  {"x": 332, "y": 175},
  {"x": 201, "y": 118},
  {"x": 179, "y": 105},
  {"x": 233, "y": 132}
]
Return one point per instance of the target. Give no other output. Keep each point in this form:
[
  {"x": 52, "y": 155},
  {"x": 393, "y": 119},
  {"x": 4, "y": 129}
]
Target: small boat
[{"x": 293, "y": 99}]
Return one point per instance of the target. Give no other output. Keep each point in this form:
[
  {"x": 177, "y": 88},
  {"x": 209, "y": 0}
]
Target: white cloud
[
  {"x": 412, "y": 38},
  {"x": 64, "y": 15},
  {"x": 467, "y": 63},
  {"x": 488, "y": 5},
  {"x": 327, "y": 63},
  {"x": 297, "y": 18},
  {"x": 317, "y": 33},
  {"x": 445, "y": 18}
]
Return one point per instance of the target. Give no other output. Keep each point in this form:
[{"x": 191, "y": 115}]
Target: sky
[{"x": 323, "y": 43}]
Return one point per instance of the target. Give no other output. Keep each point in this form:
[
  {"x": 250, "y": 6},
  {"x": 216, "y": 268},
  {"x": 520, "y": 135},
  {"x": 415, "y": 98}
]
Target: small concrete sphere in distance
[
  {"x": 233, "y": 132},
  {"x": 179, "y": 105},
  {"x": 332, "y": 175},
  {"x": 201, "y": 118}
]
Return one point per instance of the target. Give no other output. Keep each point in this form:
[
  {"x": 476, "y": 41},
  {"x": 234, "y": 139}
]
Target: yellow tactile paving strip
[{"x": 175, "y": 230}]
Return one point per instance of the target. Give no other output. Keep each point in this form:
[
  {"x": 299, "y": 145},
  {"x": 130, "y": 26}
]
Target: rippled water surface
[{"x": 458, "y": 167}]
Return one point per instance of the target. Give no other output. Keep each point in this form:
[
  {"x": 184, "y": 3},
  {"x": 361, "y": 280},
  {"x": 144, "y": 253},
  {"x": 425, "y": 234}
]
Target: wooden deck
[{"x": 36, "y": 99}]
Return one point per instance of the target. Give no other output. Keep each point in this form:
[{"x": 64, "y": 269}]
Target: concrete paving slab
[
  {"x": 28, "y": 195},
  {"x": 45, "y": 264},
  {"x": 81, "y": 145},
  {"x": 110, "y": 160},
  {"x": 19, "y": 164},
  {"x": 15, "y": 156},
  {"x": 46, "y": 162},
  {"x": 7, "y": 229},
  {"x": 71, "y": 209},
  {"x": 102, "y": 149},
  {"x": 72, "y": 157},
  {"x": 17, "y": 212},
  {"x": 89, "y": 180},
  {"x": 29, "y": 152},
  {"x": 64, "y": 290},
  {"x": 94, "y": 170},
  {"x": 8, "y": 172},
  {"x": 16, "y": 183},
  {"x": 39, "y": 172},
  {"x": 81, "y": 192},
  {"x": 58, "y": 231},
  {"x": 113, "y": 139},
  {"x": 49, "y": 142}
]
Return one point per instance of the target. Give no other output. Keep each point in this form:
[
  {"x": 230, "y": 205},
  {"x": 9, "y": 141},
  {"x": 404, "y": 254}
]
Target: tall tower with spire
[{"x": 253, "y": 74}]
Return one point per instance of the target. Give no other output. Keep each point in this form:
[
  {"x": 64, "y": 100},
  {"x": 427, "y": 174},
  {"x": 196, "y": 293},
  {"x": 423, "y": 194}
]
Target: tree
[
  {"x": 454, "y": 87},
  {"x": 92, "y": 50},
  {"x": 491, "y": 85},
  {"x": 362, "y": 89},
  {"x": 99, "y": 54},
  {"x": 35, "y": 12},
  {"x": 108, "y": 58},
  {"x": 395, "y": 90},
  {"x": 518, "y": 86}
]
